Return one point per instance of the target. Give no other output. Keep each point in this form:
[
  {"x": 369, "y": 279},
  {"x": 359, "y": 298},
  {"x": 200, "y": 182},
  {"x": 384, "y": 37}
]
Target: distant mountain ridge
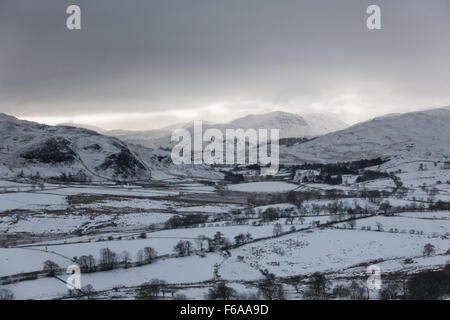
[{"x": 291, "y": 126}]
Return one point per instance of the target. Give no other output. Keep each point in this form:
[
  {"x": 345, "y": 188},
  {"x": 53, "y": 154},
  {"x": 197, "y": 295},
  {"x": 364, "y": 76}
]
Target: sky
[{"x": 144, "y": 64}]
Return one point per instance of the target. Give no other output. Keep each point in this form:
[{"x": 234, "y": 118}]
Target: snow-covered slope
[
  {"x": 83, "y": 126},
  {"x": 291, "y": 126},
  {"x": 51, "y": 151},
  {"x": 415, "y": 135}
]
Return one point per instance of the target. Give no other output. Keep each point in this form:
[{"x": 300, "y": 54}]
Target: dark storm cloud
[{"x": 207, "y": 56}]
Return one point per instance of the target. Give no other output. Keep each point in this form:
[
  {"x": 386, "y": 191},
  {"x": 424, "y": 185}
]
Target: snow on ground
[
  {"x": 263, "y": 187},
  {"x": 407, "y": 224},
  {"x": 43, "y": 224},
  {"x": 219, "y": 208},
  {"x": 111, "y": 190},
  {"x": 350, "y": 202},
  {"x": 30, "y": 200},
  {"x": 440, "y": 215},
  {"x": 323, "y": 187},
  {"x": 412, "y": 265},
  {"x": 50, "y": 223},
  {"x": 141, "y": 219},
  {"x": 176, "y": 270},
  {"x": 323, "y": 250},
  {"x": 18, "y": 260},
  {"x": 378, "y": 184},
  {"x": 127, "y": 203},
  {"x": 197, "y": 188},
  {"x": 162, "y": 241},
  {"x": 279, "y": 206}
]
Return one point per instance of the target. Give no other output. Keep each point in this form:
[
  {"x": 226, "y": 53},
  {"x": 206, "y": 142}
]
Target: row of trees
[{"x": 107, "y": 260}]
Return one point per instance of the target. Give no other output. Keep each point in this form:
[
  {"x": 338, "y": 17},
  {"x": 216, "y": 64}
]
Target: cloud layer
[{"x": 142, "y": 64}]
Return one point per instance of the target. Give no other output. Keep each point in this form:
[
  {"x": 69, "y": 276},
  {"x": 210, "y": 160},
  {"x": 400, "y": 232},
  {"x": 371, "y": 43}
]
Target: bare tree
[
  {"x": 50, "y": 268},
  {"x": 390, "y": 291},
  {"x": 270, "y": 289},
  {"x": 183, "y": 248},
  {"x": 108, "y": 259},
  {"x": 379, "y": 226},
  {"x": 126, "y": 258},
  {"x": 150, "y": 290},
  {"x": 357, "y": 291},
  {"x": 86, "y": 263},
  {"x": 318, "y": 287},
  {"x": 220, "y": 291},
  {"x": 352, "y": 224},
  {"x": 6, "y": 294},
  {"x": 429, "y": 250},
  {"x": 385, "y": 207},
  {"x": 149, "y": 254},
  {"x": 277, "y": 229}
]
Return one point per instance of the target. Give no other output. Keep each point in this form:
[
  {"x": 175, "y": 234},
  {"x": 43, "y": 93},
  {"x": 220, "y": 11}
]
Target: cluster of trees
[
  {"x": 319, "y": 287},
  {"x": 429, "y": 285},
  {"x": 273, "y": 198},
  {"x": 6, "y": 294},
  {"x": 439, "y": 205},
  {"x": 144, "y": 256},
  {"x": 268, "y": 289},
  {"x": 87, "y": 264},
  {"x": 233, "y": 177},
  {"x": 243, "y": 238},
  {"x": 351, "y": 167},
  {"x": 425, "y": 285},
  {"x": 221, "y": 291},
  {"x": 150, "y": 290},
  {"x": 80, "y": 176},
  {"x": 368, "y": 175},
  {"x": 183, "y": 221},
  {"x": 50, "y": 268},
  {"x": 204, "y": 243},
  {"x": 108, "y": 260},
  {"x": 183, "y": 248}
]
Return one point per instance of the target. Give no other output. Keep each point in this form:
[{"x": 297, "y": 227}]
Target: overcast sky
[{"x": 141, "y": 64}]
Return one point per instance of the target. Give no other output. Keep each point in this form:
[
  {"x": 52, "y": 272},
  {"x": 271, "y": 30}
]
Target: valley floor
[{"x": 239, "y": 241}]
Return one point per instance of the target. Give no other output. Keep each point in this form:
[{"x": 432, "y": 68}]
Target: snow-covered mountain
[
  {"x": 83, "y": 126},
  {"x": 415, "y": 135},
  {"x": 32, "y": 149},
  {"x": 291, "y": 126}
]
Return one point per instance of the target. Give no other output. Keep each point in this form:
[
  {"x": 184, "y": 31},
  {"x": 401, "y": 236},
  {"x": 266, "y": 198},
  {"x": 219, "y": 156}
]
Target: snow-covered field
[
  {"x": 182, "y": 270},
  {"x": 408, "y": 224},
  {"x": 263, "y": 187},
  {"x": 60, "y": 222},
  {"x": 324, "y": 250}
]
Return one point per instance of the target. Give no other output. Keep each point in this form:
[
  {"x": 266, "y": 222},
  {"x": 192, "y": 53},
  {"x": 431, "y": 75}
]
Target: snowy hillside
[
  {"x": 32, "y": 149},
  {"x": 291, "y": 126},
  {"x": 414, "y": 135}
]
